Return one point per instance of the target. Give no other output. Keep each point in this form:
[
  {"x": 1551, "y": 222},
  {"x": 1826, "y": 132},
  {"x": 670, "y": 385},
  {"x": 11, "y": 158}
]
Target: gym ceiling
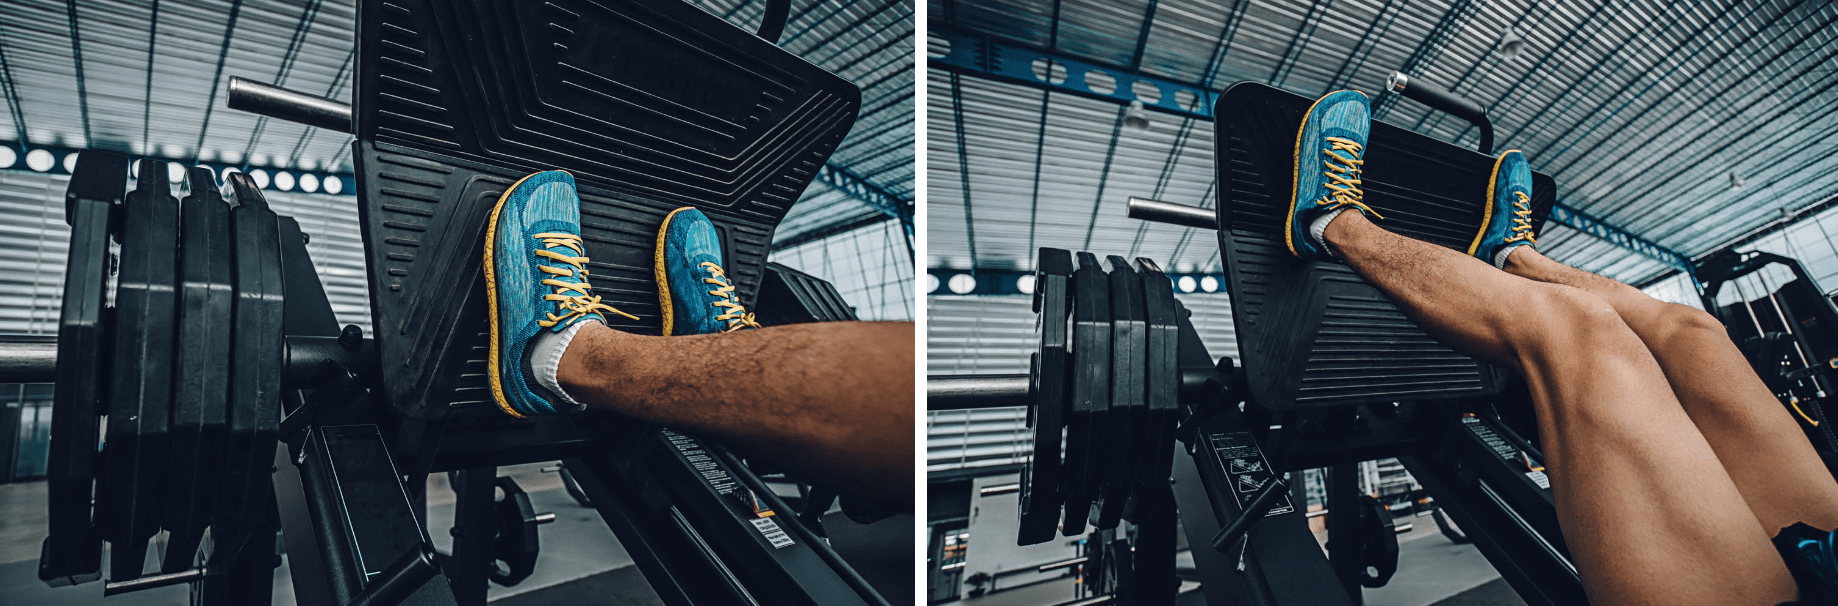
[
  {"x": 149, "y": 78},
  {"x": 1648, "y": 114}
]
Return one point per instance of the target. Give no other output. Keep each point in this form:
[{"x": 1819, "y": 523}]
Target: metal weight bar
[
  {"x": 1172, "y": 214},
  {"x": 28, "y": 359},
  {"x": 31, "y": 361},
  {"x": 292, "y": 106}
]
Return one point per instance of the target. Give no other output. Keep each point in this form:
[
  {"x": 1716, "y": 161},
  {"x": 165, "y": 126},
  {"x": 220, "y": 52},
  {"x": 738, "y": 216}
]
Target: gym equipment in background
[{"x": 236, "y": 404}]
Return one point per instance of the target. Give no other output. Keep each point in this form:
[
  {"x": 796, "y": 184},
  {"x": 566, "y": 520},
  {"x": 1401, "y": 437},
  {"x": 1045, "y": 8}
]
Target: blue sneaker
[
  {"x": 1507, "y": 222},
  {"x": 535, "y": 280},
  {"x": 1330, "y": 152},
  {"x": 691, "y": 287}
]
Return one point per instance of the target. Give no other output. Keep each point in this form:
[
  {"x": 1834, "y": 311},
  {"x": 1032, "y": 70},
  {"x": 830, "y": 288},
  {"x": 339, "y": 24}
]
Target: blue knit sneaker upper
[
  {"x": 1508, "y": 218},
  {"x": 691, "y": 287},
  {"x": 1330, "y": 155},
  {"x": 535, "y": 280}
]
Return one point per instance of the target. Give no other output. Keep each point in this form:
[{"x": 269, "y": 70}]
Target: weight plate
[
  {"x": 201, "y": 369},
  {"x": 1162, "y": 373},
  {"x": 1041, "y": 478},
  {"x": 257, "y": 350},
  {"x": 1090, "y": 409},
  {"x": 1127, "y": 405},
  {"x": 73, "y": 551},
  {"x": 140, "y": 390}
]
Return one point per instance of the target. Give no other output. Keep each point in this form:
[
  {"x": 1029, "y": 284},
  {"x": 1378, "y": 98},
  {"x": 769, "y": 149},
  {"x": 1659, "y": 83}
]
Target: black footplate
[
  {"x": 1313, "y": 334},
  {"x": 652, "y": 105}
]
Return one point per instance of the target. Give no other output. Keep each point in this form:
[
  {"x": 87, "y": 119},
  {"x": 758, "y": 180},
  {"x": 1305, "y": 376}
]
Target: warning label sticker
[
  {"x": 703, "y": 462},
  {"x": 1246, "y": 468},
  {"x": 1507, "y": 452},
  {"x": 773, "y": 533}
]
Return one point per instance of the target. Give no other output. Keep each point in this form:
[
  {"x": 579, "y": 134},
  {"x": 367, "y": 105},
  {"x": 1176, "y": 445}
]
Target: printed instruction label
[
  {"x": 1246, "y": 469},
  {"x": 773, "y": 533},
  {"x": 1507, "y": 452},
  {"x": 704, "y": 463}
]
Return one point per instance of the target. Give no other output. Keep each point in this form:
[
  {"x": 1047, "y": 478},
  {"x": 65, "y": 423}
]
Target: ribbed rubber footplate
[
  {"x": 1313, "y": 334},
  {"x": 652, "y": 105}
]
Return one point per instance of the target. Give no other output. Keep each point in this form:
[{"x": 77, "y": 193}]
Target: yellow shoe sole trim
[
  {"x": 1487, "y": 209},
  {"x": 663, "y": 277},
  {"x": 491, "y": 301}
]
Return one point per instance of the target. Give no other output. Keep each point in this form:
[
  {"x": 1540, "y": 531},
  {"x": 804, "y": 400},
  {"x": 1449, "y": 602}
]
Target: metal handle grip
[{"x": 1447, "y": 102}]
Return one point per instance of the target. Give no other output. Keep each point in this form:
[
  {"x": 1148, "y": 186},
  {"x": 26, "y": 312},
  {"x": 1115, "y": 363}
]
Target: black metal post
[
  {"x": 472, "y": 534},
  {"x": 1343, "y": 544}
]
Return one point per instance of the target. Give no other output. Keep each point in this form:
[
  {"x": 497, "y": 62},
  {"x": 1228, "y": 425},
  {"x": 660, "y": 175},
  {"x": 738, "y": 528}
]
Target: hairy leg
[
  {"x": 832, "y": 400},
  {"x": 1763, "y": 449},
  {"x": 1648, "y": 512}
]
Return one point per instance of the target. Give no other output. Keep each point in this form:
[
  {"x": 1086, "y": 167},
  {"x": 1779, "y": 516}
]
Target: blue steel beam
[
  {"x": 1585, "y": 223},
  {"x": 849, "y": 183},
  {"x": 984, "y": 57}
]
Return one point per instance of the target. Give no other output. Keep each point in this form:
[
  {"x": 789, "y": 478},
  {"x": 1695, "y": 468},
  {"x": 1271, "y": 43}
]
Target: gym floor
[
  {"x": 1432, "y": 571},
  {"x": 581, "y": 562}
]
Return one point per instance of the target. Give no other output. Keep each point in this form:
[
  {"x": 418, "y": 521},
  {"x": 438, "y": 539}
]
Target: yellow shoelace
[
  {"x": 1343, "y": 178},
  {"x": 736, "y": 315},
  {"x": 579, "y": 303},
  {"x": 1522, "y": 220}
]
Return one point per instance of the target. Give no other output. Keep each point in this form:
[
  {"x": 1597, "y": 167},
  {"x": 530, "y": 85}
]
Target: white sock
[
  {"x": 1317, "y": 230},
  {"x": 546, "y": 350},
  {"x": 1499, "y": 258}
]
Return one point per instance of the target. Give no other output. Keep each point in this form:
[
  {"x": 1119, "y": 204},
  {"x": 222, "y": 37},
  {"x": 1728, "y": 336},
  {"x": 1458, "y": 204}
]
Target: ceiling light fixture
[
  {"x": 40, "y": 160},
  {"x": 8, "y": 157},
  {"x": 1136, "y": 118},
  {"x": 309, "y": 183},
  {"x": 1510, "y": 43},
  {"x": 70, "y": 162},
  {"x": 961, "y": 284},
  {"x": 334, "y": 185}
]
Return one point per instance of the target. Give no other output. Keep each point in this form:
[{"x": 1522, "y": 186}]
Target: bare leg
[
  {"x": 1646, "y": 508},
  {"x": 832, "y": 400},
  {"x": 1763, "y": 449}
]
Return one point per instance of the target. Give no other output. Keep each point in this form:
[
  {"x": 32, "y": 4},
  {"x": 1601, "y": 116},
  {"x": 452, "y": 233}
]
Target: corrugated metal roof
[
  {"x": 145, "y": 77},
  {"x": 1641, "y": 110},
  {"x": 149, "y": 82}
]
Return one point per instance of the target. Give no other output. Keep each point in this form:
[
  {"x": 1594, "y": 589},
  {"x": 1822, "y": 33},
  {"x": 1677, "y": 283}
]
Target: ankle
[
  {"x": 572, "y": 368},
  {"x": 1340, "y": 229}
]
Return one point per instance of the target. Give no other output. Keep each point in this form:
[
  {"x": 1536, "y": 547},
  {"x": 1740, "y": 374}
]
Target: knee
[
  {"x": 1562, "y": 320},
  {"x": 1687, "y": 319}
]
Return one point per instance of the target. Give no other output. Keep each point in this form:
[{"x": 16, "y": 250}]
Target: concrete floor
[
  {"x": 578, "y": 545},
  {"x": 1431, "y": 570}
]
